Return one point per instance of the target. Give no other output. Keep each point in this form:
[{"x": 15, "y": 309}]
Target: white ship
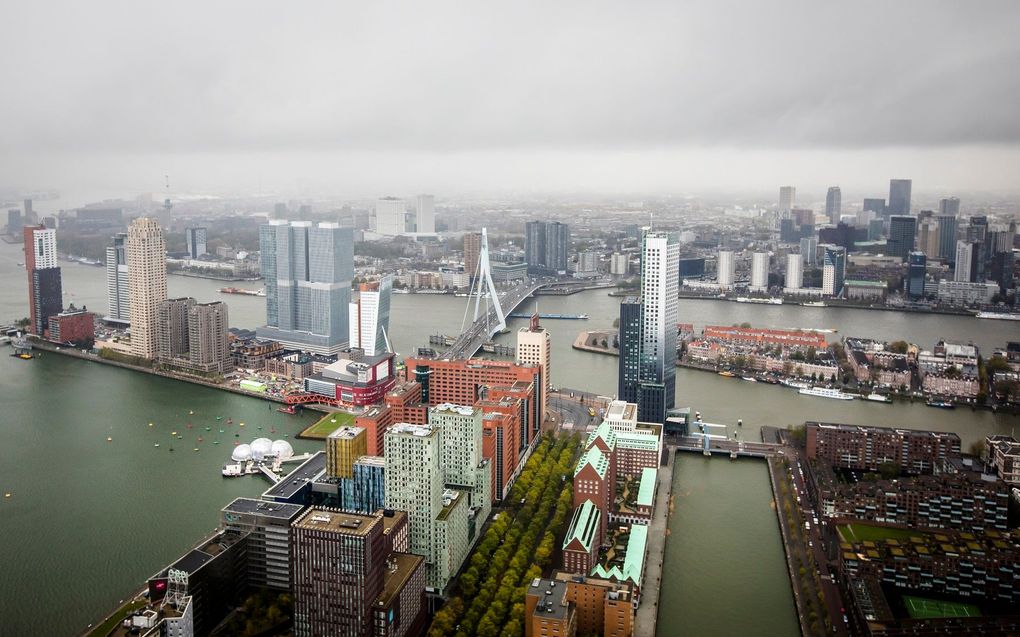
[
  {"x": 744, "y": 299},
  {"x": 814, "y": 304},
  {"x": 823, "y": 392},
  {"x": 1002, "y": 316},
  {"x": 794, "y": 384},
  {"x": 878, "y": 398}
]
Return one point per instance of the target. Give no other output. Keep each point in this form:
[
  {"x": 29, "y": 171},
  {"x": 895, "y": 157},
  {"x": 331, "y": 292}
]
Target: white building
[
  {"x": 660, "y": 288},
  {"x": 534, "y": 347},
  {"x": 370, "y": 317},
  {"x": 390, "y": 217},
  {"x": 725, "y": 269},
  {"x": 619, "y": 264},
  {"x": 587, "y": 261},
  {"x": 965, "y": 293},
  {"x": 117, "y": 292},
  {"x": 146, "y": 260},
  {"x": 787, "y": 197},
  {"x": 759, "y": 271},
  {"x": 45, "y": 246},
  {"x": 794, "y": 272},
  {"x": 964, "y": 259},
  {"x": 425, "y": 214}
]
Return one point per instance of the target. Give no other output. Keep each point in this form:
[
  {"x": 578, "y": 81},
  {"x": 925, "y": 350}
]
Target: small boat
[
  {"x": 150, "y": 424},
  {"x": 750, "y": 379},
  {"x": 208, "y": 428},
  {"x": 180, "y": 437},
  {"x": 195, "y": 449},
  {"x": 824, "y": 392},
  {"x": 230, "y": 421},
  {"x": 173, "y": 433},
  {"x": 221, "y": 431},
  {"x": 941, "y": 404},
  {"x": 289, "y": 409},
  {"x": 156, "y": 445},
  {"x": 740, "y": 423},
  {"x": 272, "y": 430},
  {"x": 878, "y": 398},
  {"x": 727, "y": 374},
  {"x": 201, "y": 439},
  {"x": 24, "y": 356},
  {"x": 795, "y": 384},
  {"x": 219, "y": 417},
  {"x": 216, "y": 442},
  {"x": 171, "y": 448},
  {"x": 191, "y": 413},
  {"x": 241, "y": 425},
  {"x": 109, "y": 439}
]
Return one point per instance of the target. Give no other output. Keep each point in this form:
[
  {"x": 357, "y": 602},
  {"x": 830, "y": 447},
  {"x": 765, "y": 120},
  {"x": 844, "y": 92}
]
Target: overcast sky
[{"x": 462, "y": 97}]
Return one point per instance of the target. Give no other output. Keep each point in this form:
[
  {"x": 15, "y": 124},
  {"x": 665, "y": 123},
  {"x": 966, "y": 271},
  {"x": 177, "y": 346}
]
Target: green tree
[{"x": 898, "y": 347}]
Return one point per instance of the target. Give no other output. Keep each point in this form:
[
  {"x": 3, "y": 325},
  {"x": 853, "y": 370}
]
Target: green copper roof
[
  {"x": 596, "y": 459},
  {"x": 633, "y": 564},
  {"x": 637, "y": 440},
  {"x": 603, "y": 431},
  {"x": 646, "y": 492},
  {"x": 584, "y": 525}
]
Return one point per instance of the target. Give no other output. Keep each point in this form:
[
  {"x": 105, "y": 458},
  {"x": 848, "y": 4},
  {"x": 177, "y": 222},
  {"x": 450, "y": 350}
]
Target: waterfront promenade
[{"x": 648, "y": 612}]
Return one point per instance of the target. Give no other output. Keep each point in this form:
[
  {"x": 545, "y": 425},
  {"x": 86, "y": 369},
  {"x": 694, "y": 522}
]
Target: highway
[{"x": 472, "y": 339}]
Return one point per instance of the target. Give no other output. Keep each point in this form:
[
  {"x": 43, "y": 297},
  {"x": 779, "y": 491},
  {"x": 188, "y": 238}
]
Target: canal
[{"x": 92, "y": 519}]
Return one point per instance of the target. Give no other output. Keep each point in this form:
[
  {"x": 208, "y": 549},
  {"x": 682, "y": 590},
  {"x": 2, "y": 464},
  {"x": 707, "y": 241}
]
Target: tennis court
[{"x": 922, "y": 608}]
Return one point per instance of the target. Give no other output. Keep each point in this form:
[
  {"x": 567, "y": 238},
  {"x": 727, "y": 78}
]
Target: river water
[{"x": 89, "y": 520}]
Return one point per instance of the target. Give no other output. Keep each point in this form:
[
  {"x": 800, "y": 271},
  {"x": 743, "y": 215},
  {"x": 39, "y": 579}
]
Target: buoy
[
  {"x": 150, "y": 424},
  {"x": 241, "y": 425},
  {"x": 191, "y": 413},
  {"x": 156, "y": 445},
  {"x": 173, "y": 433},
  {"x": 7, "y": 495},
  {"x": 195, "y": 449},
  {"x": 109, "y": 439}
]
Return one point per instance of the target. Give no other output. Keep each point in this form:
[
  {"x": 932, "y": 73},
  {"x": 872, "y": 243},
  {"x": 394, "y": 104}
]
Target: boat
[
  {"x": 289, "y": 409},
  {"x": 109, "y": 439},
  {"x": 591, "y": 412},
  {"x": 400, "y": 291},
  {"x": 191, "y": 413},
  {"x": 243, "y": 291},
  {"x": 825, "y": 392},
  {"x": 727, "y": 374},
  {"x": 156, "y": 445},
  {"x": 1002, "y": 316},
  {"x": 813, "y": 304},
  {"x": 794, "y": 384},
  {"x": 769, "y": 301},
  {"x": 750, "y": 379},
  {"x": 230, "y": 421},
  {"x": 878, "y": 398},
  {"x": 25, "y": 356},
  {"x": 941, "y": 404},
  {"x": 219, "y": 417}
]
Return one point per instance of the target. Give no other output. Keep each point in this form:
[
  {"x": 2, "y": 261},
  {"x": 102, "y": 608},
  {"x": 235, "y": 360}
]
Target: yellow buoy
[
  {"x": 150, "y": 424},
  {"x": 7, "y": 495},
  {"x": 195, "y": 449},
  {"x": 109, "y": 439},
  {"x": 242, "y": 424}
]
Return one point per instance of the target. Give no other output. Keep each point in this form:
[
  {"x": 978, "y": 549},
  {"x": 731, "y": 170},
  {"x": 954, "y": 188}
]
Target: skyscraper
[
  {"x": 902, "y": 233},
  {"x": 45, "y": 293},
  {"x": 630, "y": 349},
  {"x": 172, "y": 329},
  {"x": 660, "y": 262},
  {"x": 534, "y": 347},
  {"x": 833, "y": 270},
  {"x": 759, "y": 271},
  {"x": 308, "y": 271},
  {"x": 725, "y": 267},
  {"x": 425, "y": 214},
  {"x": 390, "y": 216},
  {"x": 928, "y": 238},
  {"x": 545, "y": 246},
  {"x": 117, "y": 292},
  {"x": 899, "y": 197},
  {"x": 949, "y": 207},
  {"x": 794, "y": 272},
  {"x": 209, "y": 338},
  {"x": 916, "y": 262},
  {"x": 809, "y": 250},
  {"x": 196, "y": 241},
  {"x": 787, "y": 197},
  {"x": 833, "y": 204},
  {"x": 966, "y": 267},
  {"x": 370, "y": 317},
  {"x": 472, "y": 252},
  {"x": 876, "y": 206},
  {"x": 146, "y": 258},
  {"x": 947, "y": 234}
]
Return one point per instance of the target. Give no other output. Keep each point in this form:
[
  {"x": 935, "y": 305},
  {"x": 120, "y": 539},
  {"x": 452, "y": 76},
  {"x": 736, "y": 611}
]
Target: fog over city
[{"x": 364, "y": 98}]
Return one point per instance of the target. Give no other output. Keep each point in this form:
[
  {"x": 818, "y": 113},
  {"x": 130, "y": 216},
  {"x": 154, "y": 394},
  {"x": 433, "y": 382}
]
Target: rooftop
[
  {"x": 322, "y": 519},
  {"x": 646, "y": 492},
  {"x": 278, "y": 510},
  {"x": 450, "y": 408},
  {"x": 550, "y": 604},
  {"x": 604, "y": 432},
  {"x": 633, "y": 561},
  {"x": 346, "y": 433},
  {"x": 873, "y": 429},
  {"x": 596, "y": 459},
  {"x": 407, "y": 429},
  {"x": 451, "y": 498},
  {"x": 296, "y": 479},
  {"x": 399, "y": 568},
  {"x": 583, "y": 525}
]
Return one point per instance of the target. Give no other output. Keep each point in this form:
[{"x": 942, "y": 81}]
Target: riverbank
[
  {"x": 784, "y": 533},
  {"x": 648, "y": 612},
  {"x": 835, "y": 303},
  {"x": 214, "y": 277}
]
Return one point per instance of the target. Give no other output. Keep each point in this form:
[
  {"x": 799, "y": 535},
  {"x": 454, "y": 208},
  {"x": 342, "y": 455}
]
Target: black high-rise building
[
  {"x": 46, "y": 296},
  {"x": 902, "y": 234},
  {"x": 1001, "y": 270},
  {"x": 899, "y": 197},
  {"x": 630, "y": 349},
  {"x": 947, "y": 235},
  {"x": 875, "y": 205},
  {"x": 916, "y": 263},
  {"x": 546, "y": 245},
  {"x": 788, "y": 231}
]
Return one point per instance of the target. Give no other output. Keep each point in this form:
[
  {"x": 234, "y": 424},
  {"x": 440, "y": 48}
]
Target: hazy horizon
[{"x": 667, "y": 97}]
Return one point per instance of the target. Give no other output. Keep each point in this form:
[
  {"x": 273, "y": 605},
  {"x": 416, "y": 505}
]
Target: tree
[
  {"x": 889, "y": 470},
  {"x": 996, "y": 364},
  {"x": 898, "y": 347},
  {"x": 23, "y": 323},
  {"x": 977, "y": 448}
]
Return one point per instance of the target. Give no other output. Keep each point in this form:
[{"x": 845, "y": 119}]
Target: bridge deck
[{"x": 468, "y": 343}]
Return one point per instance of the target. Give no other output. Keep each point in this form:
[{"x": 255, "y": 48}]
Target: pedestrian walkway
[{"x": 644, "y": 622}]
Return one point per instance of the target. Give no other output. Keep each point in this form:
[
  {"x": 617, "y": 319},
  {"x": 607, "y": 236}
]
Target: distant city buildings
[
  {"x": 794, "y": 271},
  {"x": 833, "y": 204},
  {"x": 472, "y": 252},
  {"x": 546, "y": 247},
  {"x": 146, "y": 262},
  {"x": 787, "y": 197},
  {"x": 425, "y": 214},
  {"x": 725, "y": 269},
  {"x": 195, "y": 239},
  {"x": 833, "y": 270},
  {"x": 759, "y": 272},
  {"x": 194, "y": 337},
  {"x": 899, "y": 197},
  {"x": 902, "y": 235},
  {"x": 630, "y": 349},
  {"x": 916, "y": 269},
  {"x": 45, "y": 292},
  {"x": 390, "y": 217},
  {"x": 307, "y": 270}
]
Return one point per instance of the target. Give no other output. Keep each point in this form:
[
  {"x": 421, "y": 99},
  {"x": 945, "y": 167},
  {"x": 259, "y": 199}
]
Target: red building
[
  {"x": 73, "y": 326},
  {"x": 357, "y": 383},
  {"x": 594, "y": 480},
  {"x": 762, "y": 336},
  {"x": 500, "y": 422},
  {"x": 465, "y": 382}
]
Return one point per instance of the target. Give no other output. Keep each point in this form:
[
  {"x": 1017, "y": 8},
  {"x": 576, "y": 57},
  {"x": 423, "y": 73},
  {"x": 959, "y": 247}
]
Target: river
[{"x": 92, "y": 519}]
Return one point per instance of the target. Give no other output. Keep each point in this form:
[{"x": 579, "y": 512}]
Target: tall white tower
[
  {"x": 146, "y": 257},
  {"x": 370, "y": 317},
  {"x": 534, "y": 348},
  {"x": 759, "y": 271},
  {"x": 390, "y": 216},
  {"x": 660, "y": 313},
  {"x": 725, "y": 269},
  {"x": 794, "y": 271},
  {"x": 425, "y": 214}
]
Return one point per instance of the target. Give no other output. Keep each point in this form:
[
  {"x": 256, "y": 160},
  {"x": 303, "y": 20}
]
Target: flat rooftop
[
  {"x": 876, "y": 429},
  {"x": 401, "y": 567},
  {"x": 277, "y": 510},
  {"x": 317, "y": 519},
  {"x": 308, "y": 471},
  {"x": 345, "y": 432}
]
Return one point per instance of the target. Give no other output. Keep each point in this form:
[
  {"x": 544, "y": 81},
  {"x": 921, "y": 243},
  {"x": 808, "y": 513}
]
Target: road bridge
[{"x": 731, "y": 448}]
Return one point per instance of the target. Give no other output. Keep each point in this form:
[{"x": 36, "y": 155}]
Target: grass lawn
[
  {"x": 922, "y": 608},
  {"x": 862, "y": 532},
  {"x": 327, "y": 425},
  {"x": 102, "y": 630}
]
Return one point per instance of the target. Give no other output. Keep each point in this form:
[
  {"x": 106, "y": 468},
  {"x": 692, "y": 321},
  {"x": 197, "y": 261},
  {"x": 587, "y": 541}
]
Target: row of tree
[{"x": 516, "y": 548}]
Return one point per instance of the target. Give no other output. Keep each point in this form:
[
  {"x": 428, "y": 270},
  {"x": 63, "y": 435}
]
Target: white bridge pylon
[{"x": 483, "y": 285}]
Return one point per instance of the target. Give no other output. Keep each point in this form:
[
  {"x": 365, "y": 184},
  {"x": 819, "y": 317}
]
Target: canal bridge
[{"x": 731, "y": 448}]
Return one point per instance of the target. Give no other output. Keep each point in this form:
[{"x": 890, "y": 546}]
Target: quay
[
  {"x": 658, "y": 530},
  {"x": 584, "y": 338}
]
